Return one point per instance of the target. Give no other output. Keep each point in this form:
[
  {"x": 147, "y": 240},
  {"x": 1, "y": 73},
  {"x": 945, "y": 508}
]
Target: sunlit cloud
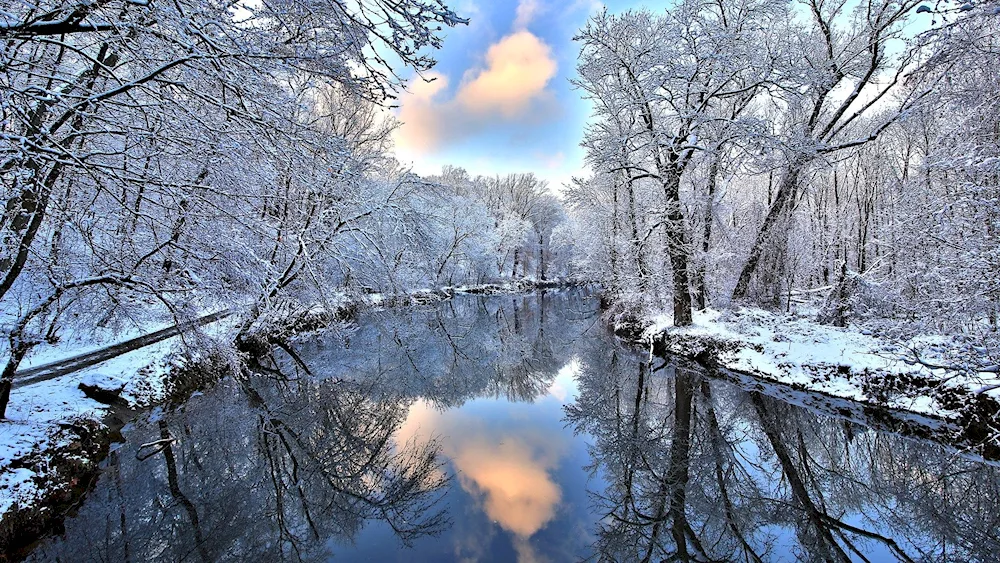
[
  {"x": 508, "y": 86},
  {"x": 517, "y": 70},
  {"x": 420, "y": 115},
  {"x": 526, "y": 552}
]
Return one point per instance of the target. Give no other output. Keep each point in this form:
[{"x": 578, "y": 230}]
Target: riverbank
[
  {"x": 933, "y": 376},
  {"x": 55, "y": 436},
  {"x": 59, "y": 429}
]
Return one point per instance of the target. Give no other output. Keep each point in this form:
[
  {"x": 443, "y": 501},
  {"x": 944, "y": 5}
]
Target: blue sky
[{"x": 502, "y": 101}]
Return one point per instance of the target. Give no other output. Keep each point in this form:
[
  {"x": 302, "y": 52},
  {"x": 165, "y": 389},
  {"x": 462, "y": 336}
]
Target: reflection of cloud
[
  {"x": 506, "y": 469},
  {"x": 516, "y": 72},
  {"x": 564, "y": 385},
  {"x": 526, "y": 552},
  {"x": 519, "y": 495}
]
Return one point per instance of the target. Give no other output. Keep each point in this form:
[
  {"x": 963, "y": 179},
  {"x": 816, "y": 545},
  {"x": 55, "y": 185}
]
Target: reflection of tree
[
  {"x": 502, "y": 346},
  {"x": 825, "y": 536},
  {"x": 697, "y": 470},
  {"x": 725, "y": 468},
  {"x": 273, "y": 467},
  {"x": 269, "y": 474},
  {"x": 175, "y": 491}
]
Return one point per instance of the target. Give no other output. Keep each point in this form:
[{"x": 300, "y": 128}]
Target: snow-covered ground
[
  {"x": 843, "y": 362},
  {"x": 38, "y": 412}
]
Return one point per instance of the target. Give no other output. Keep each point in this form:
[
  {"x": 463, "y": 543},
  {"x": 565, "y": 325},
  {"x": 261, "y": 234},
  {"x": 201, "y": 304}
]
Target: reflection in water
[
  {"x": 508, "y": 469},
  {"x": 699, "y": 470},
  {"x": 238, "y": 479},
  {"x": 505, "y": 466},
  {"x": 516, "y": 428}
]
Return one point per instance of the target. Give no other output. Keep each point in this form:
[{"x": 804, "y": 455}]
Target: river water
[{"x": 516, "y": 428}]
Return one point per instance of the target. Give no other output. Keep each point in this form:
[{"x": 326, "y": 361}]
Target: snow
[
  {"x": 799, "y": 351},
  {"x": 37, "y": 410},
  {"x": 16, "y": 486}
]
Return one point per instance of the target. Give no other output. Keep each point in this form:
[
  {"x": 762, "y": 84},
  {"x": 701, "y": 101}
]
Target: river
[{"x": 517, "y": 428}]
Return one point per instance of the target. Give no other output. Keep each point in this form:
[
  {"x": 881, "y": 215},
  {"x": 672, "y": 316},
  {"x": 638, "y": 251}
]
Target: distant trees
[{"x": 511, "y": 218}]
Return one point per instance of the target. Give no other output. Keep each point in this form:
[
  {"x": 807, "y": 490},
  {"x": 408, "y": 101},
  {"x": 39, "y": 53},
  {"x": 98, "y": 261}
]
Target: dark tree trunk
[
  {"x": 637, "y": 248},
  {"x": 541, "y": 256},
  {"x": 677, "y": 248}
]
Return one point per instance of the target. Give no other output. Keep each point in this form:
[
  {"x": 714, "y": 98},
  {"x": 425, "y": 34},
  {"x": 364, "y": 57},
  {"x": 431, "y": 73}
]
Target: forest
[
  {"x": 833, "y": 162},
  {"x": 752, "y": 151},
  {"x": 163, "y": 159}
]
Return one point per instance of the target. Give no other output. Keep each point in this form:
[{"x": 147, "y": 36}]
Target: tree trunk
[
  {"x": 766, "y": 238},
  {"x": 637, "y": 248},
  {"x": 24, "y": 225},
  {"x": 677, "y": 248},
  {"x": 613, "y": 249},
  {"x": 25, "y": 211},
  {"x": 541, "y": 256},
  {"x": 17, "y": 354},
  {"x": 700, "y": 290}
]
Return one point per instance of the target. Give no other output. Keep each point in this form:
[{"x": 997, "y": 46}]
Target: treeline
[{"x": 762, "y": 151}]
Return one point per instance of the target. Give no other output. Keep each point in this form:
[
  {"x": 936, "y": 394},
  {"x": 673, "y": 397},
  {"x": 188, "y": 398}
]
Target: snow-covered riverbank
[{"x": 935, "y": 376}]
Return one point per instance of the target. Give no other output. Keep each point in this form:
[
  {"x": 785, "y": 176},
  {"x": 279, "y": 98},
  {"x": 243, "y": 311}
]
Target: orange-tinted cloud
[
  {"x": 419, "y": 114},
  {"x": 516, "y": 71},
  {"x": 518, "y": 68},
  {"x": 506, "y": 470}
]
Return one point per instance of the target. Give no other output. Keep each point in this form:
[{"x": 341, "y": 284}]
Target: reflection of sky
[{"x": 519, "y": 487}]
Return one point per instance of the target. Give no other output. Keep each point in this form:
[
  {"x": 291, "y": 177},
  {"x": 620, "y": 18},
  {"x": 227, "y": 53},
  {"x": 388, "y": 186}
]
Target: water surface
[{"x": 517, "y": 429}]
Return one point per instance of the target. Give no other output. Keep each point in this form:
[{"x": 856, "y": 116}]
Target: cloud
[
  {"x": 418, "y": 112},
  {"x": 518, "y": 68},
  {"x": 526, "y": 12},
  {"x": 516, "y": 71},
  {"x": 551, "y": 161}
]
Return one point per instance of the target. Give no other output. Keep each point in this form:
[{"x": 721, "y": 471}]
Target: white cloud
[{"x": 526, "y": 12}]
